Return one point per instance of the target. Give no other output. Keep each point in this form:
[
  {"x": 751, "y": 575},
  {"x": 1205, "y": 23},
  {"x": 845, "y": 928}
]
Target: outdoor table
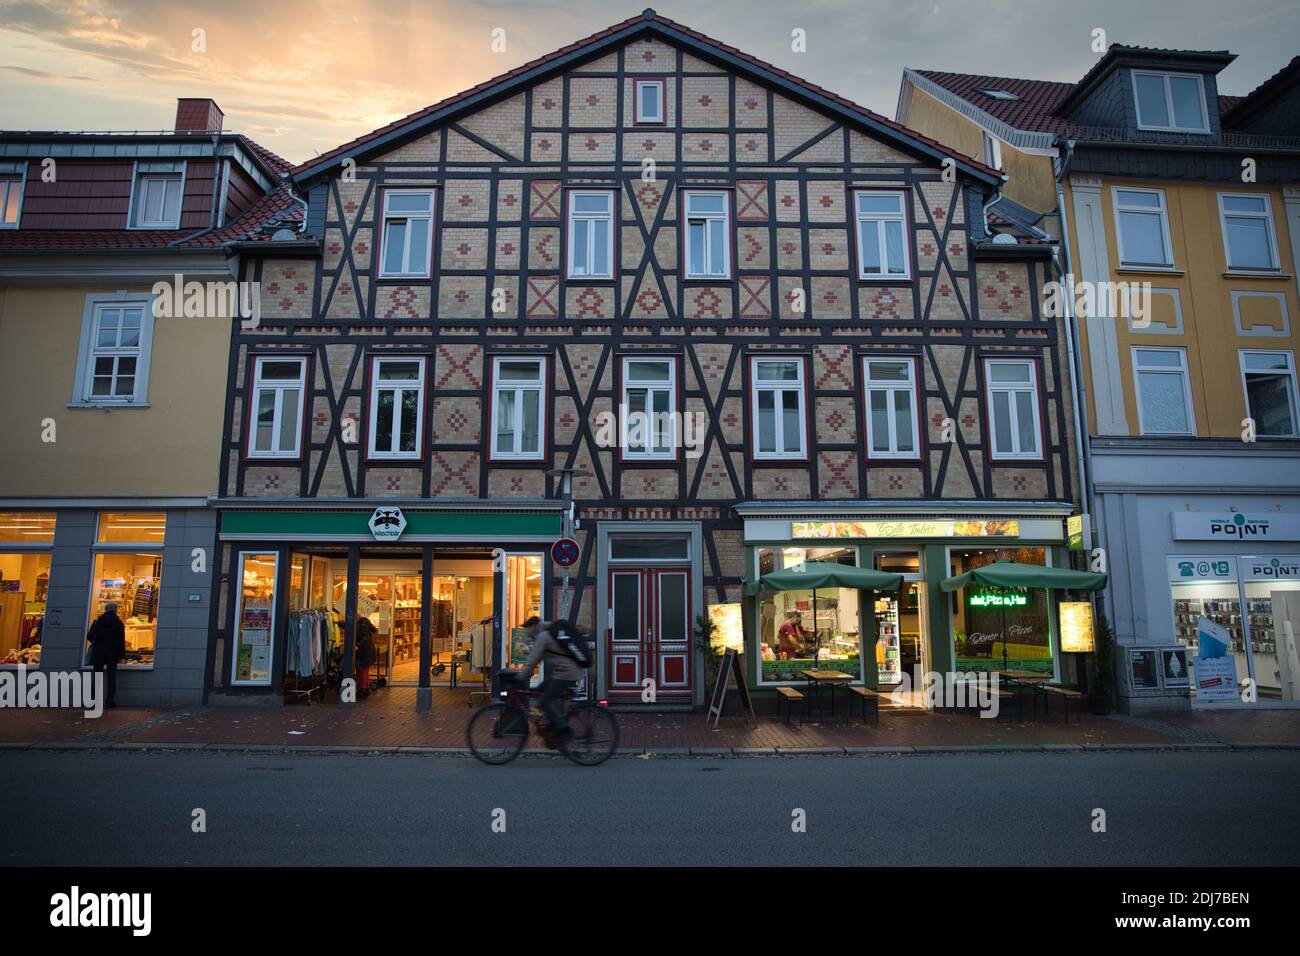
[
  {"x": 1031, "y": 679},
  {"x": 830, "y": 679}
]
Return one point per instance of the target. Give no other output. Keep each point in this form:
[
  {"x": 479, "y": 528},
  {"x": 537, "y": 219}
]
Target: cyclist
[{"x": 566, "y": 655}]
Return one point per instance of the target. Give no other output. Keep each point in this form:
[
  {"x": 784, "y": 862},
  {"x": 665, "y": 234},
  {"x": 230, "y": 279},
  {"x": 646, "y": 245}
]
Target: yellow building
[
  {"x": 117, "y": 296},
  {"x": 1176, "y": 216}
]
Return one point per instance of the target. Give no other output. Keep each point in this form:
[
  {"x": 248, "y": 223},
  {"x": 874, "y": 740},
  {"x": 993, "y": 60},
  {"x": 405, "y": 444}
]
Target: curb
[{"x": 832, "y": 750}]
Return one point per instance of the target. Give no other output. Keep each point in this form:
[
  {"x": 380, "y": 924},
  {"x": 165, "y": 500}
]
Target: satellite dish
[
  {"x": 284, "y": 235},
  {"x": 1004, "y": 239}
]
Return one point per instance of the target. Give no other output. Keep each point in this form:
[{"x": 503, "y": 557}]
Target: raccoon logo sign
[{"x": 387, "y": 524}]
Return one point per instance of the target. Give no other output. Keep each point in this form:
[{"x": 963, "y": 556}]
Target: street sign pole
[{"x": 567, "y": 523}]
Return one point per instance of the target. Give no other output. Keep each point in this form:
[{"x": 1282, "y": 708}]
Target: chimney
[{"x": 198, "y": 115}]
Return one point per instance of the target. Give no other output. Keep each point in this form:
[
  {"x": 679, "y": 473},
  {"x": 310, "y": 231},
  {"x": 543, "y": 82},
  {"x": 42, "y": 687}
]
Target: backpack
[{"x": 570, "y": 641}]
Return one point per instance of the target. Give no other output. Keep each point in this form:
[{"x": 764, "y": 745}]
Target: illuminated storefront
[
  {"x": 61, "y": 566},
  {"x": 446, "y": 591},
  {"x": 881, "y": 637}
]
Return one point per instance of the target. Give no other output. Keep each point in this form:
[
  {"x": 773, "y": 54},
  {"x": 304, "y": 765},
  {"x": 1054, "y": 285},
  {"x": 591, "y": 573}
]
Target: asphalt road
[{"x": 1162, "y": 808}]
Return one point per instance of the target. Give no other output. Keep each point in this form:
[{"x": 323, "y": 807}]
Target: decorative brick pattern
[
  {"x": 458, "y": 367},
  {"x": 835, "y": 420},
  {"x": 402, "y": 301},
  {"x": 466, "y": 200},
  {"x": 837, "y": 474},
  {"x": 707, "y": 302},
  {"x": 545, "y": 200},
  {"x": 462, "y": 297},
  {"x": 793, "y": 484},
  {"x": 464, "y": 249},
  {"x": 456, "y": 419}
]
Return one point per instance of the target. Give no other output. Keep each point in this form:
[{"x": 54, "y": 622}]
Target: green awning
[
  {"x": 1011, "y": 574},
  {"x": 824, "y": 574}
]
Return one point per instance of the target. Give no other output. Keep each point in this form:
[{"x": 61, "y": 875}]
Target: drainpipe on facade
[{"x": 1074, "y": 346}]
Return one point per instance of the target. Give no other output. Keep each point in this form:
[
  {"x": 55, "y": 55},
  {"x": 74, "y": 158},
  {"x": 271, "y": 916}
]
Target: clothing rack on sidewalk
[{"x": 308, "y": 638}]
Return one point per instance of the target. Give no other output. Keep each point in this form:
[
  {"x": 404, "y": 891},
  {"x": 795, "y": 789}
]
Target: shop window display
[
  {"x": 24, "y": 580},
  {"x": 798, "y": 632},
  {"x": 253, "y": 616},
  {"x": 994, "y": 628},
  {"x": 133, "y": 582}
]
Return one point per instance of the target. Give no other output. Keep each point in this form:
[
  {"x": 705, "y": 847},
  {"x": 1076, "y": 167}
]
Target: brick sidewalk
[{"x": 389, "y": 720}]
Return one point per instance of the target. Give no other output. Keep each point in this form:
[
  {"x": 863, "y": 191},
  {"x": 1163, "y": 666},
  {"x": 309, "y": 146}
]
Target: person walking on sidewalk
[{"x": 107, "y": 638}]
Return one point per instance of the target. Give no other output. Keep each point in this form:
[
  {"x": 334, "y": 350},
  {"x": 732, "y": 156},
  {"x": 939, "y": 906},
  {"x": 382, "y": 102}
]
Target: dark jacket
[
  {"x": 366, "y": 652},
  {"x": 107, "y": 639}
]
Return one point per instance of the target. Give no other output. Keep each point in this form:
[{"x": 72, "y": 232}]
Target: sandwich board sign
[{"x": 731, "y": 667}]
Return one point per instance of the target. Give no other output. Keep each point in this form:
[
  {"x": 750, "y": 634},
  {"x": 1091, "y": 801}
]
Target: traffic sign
[{"x": 565, "y": 552}]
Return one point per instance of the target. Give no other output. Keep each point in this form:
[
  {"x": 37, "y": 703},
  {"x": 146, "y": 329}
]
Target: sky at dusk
[{"x": 304, "y": 77}]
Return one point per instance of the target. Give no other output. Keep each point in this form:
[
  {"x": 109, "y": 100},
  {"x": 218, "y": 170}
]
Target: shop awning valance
[
  {"x": 825, "y": 574},
  {"x": 1012, "y": 574}
]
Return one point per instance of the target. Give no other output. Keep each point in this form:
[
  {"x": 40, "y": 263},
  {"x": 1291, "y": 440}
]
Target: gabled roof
[
  {"x": 1035, "y": 110},
  {"x": 648, "y": 22},
  {"x": 1262, "y": 94}
]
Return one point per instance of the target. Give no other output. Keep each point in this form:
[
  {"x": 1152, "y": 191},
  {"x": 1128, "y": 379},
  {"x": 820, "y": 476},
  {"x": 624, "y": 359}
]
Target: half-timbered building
[{"x": 751, "y": 322}]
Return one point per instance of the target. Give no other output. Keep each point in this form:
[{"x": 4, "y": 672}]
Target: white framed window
[
  {"x": 1269, "y": 380},
  {"x": 1163, "y": 389},
  {"x": 114, "y": 350},
  {"x": 12, "y": 182},
  {"x": 1015, "y": 430},
  {"x": 406, "y": 246},
  {"x": 883, "y": 246},
  {"x": 275, "y": 426},
  {"x": 1170, "y": 101},
  {"x": 591, "y": 234},
  {"x": 1249, "y": 240},
  {"x": 992, "y": 150},
  {"x": 891, "y": 407},
  {"x": 1142, "y": 225},
  {"x": 650, "y": 95},
  {"x": 648, "y": 411},
  {"x": 396, "y": 407},
  {"x": 518, "y": 408},
  {"x": 156, "y": 193},
  {"x": 708, "y": 234},
  {"x": 778, "y": 408}
]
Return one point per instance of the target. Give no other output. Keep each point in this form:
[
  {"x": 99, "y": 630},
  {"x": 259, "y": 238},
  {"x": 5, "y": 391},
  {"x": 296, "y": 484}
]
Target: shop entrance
[
  {"x": 650, "y": 632},
  {"x": 390, "y": 592}
]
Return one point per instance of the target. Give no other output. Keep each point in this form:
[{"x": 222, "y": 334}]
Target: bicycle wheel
[
  {"x": 497, "y": 733},
  {"x": 595, "y": 735}
]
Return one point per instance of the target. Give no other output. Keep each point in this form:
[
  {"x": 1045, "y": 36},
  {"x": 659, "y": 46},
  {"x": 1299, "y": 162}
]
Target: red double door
[{"x": 648, "y": 638}]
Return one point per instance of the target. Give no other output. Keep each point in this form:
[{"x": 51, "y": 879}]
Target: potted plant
[
  {"x": 1101, "y": 694},
  {"x": 705, "y": 632}
]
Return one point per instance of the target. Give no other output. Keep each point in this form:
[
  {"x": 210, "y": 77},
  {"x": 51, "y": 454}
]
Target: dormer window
[
  {"x": 1173, "y": 102},
  {"x": 156, "y": 195}
]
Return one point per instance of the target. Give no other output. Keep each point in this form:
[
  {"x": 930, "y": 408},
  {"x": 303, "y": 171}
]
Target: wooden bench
[
  {"x": 865, "y": 695},
  {"x": 1066, "y": 694},
  {"x": 788, "y": 696}
]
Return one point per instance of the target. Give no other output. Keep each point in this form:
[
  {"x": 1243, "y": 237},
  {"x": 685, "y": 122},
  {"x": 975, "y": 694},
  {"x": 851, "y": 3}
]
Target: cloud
[{"x": 303, "y": 75}]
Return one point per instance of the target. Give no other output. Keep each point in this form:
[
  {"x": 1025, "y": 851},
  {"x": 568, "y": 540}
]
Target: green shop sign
[
  {"x": 992, "y": 599},
  {"x": 355, "y": 525}
]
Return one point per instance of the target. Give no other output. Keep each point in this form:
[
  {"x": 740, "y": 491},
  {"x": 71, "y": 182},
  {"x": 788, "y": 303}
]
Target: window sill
[
  {"x": 1152, "y": 270},
  {"x": 405, "y": 279},
  {"x": 1238, "y": 274},
  {"x": 107, "y": 406},
  {"x": 885, "y": 280},
  {"x": 709, "y": 280}
]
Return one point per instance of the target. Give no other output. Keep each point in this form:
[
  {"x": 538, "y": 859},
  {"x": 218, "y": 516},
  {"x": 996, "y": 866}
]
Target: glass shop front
[{"x": 880, "y": 638}]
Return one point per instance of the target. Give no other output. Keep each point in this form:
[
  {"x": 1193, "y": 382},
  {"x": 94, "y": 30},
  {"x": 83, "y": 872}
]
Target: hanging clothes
[{"x": 480, "y": 636}]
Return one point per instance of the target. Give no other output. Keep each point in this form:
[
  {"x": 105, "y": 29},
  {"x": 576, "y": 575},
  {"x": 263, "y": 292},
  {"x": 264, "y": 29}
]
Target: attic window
[{"x": 999, "y": 95}]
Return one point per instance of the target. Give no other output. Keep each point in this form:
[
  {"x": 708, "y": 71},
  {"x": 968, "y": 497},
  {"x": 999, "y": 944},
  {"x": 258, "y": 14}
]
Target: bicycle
[{"x": 497, "y": 733}]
